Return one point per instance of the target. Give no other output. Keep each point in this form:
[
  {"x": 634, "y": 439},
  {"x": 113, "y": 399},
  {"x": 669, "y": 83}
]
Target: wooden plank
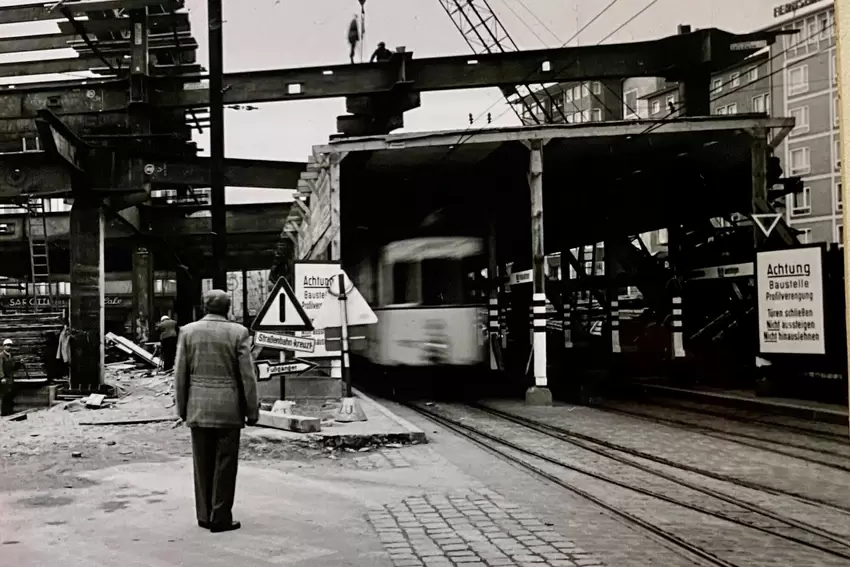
[
  {"x": 158, "y": 23},
  {"x": 287, "y": 422},
  {"x": 48, "y": 67},
  {"x": 34, "y": 43},
  {"x": 131, "y": 421},
  {"x": 41, "y": 11}
]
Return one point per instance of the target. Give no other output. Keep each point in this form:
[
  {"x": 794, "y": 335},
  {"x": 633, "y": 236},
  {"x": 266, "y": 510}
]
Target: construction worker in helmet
[{"x": 8, "y": 366}]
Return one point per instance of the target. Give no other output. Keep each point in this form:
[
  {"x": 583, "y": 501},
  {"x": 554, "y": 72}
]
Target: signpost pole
[
  {"x": 842, "y": 33},
  {"x": 343, "y": 318},
  {"x": 350, "y": 409}
]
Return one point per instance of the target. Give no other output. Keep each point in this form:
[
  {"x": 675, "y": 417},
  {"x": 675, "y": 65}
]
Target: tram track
[
  {"x": 733, "y": 414},
  {"x": 649, "y": 483},
  {"x": 841, "y": 461}
]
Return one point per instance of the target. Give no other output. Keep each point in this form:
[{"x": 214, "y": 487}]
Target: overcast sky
[
  {"x": 268, "y": 34},
  {"x": 262, "y": 34}
]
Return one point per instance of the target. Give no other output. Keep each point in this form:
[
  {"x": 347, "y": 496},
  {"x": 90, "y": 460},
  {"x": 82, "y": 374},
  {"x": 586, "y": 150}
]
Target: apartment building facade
[
  {"x": 573, "y": 103},
  {"x": 804, "y": 85}
]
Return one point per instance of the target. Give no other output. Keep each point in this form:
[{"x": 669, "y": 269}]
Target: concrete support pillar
[
  {"x": 615, "y": 325},
  {"x": 87, "y": 287},
  {"x": 674, "y": 255},
  {"x": 538, "y": 394},
  {"x": 678, "y": 328},
  {"x": 246, "y": 316},
  {"x": 189, "y": 291},
  {"x": 566, "y": 300},
  {"x": 143, "y": 294},
  {"x": 508, "y": 315},
  {"x": 493, "y": 279}
]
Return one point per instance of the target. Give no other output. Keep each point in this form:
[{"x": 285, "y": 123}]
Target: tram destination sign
[{"x": 791, "y": 301}]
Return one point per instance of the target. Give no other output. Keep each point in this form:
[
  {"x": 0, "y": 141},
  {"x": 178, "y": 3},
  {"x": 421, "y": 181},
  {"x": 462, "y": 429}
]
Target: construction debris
[{"x": 133, "y": 349}]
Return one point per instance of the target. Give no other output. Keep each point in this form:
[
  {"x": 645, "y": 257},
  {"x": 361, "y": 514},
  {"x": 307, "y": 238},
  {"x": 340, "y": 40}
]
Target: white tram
[{"x": 430, "y": 298}]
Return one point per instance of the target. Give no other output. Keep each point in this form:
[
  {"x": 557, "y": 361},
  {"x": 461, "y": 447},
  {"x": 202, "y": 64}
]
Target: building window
[
  {"x": 736, "y": 80},
  {"x": 596, "y": 87},
  {"x": 837, "y": 148},
  {"x": 800, "y": 161},
  {"x": 728, "y": 109},
  {"x": 839, "y": 234},
  {"x": 839, "y": 196},
  {"x": 753, "y": 75},
  {"x": 568, "y": 95},
  {"x": 834, "y": 68},
  {"x": 596, "y": 115},
  {"x": 717, "y": 86},
  {"x": 801, "y": 204},
  {"x": 812, "y": 25},
  {"x": 761, "y": 103},
  {"x": 805, "y": 235},
  {"x": 836, "y": 111},
  {"x": 585, "y": 92},
  {"x": 656, "y": 106},
  {"x": 720, "y": 110},
  {"x": 801, "y": 119},
  {"x": 630, "y": 100},
  {"x": 670, "y": 101},
  {"x": 798, "y": 80},
  {"x": 823, "y": 27}
]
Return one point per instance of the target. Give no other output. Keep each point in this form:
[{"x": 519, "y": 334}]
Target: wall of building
[{"x": 804, "y": 86}]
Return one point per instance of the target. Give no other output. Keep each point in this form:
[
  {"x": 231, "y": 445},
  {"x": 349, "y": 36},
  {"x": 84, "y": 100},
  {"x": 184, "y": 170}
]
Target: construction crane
[{"x": 484, "y": 33}]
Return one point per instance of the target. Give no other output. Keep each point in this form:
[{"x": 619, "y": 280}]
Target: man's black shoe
[{"x": 218, "y": 528}]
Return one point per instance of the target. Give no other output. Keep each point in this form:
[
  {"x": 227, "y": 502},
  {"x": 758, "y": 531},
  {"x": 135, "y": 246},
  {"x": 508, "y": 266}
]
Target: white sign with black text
[
  {"x": 790, "y": 301},
  {"x": 311, "y": 287}
]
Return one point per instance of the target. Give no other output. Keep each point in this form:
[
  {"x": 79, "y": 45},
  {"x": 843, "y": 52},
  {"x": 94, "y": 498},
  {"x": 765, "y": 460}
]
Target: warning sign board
[
  {"x": 790, "y": 301},
  {"x": 311, "y": 287},
  {"x": 282, "y": 311}
]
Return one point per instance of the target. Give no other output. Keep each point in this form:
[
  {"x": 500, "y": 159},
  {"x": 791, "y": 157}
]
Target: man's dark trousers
[
  {"x": 216, "y": 456},
  {"x": 169, "y": 352}
]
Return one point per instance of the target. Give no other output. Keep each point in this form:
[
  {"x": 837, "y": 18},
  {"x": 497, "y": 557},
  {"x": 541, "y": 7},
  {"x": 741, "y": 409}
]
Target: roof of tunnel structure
[{"x": 597, "y": 177}]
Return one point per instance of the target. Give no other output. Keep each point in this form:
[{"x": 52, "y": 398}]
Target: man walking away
[
  {"x": 216, "y": 391},
  {"x": 8, "y": 367},
  {"x": 167, "y": 328},
  {"x": 381, "y": 54}
]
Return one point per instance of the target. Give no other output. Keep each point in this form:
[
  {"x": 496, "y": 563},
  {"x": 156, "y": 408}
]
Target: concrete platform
[
  {"x": 743, "y": 399},
  {"x": 382, "y": 427}
]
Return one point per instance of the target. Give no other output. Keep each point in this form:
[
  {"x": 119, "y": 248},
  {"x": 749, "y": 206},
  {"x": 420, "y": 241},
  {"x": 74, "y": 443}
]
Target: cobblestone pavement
[
  {"x": 696, "y": 450},
  {"x": 731, "y": 541},
  {"x": 472, "y": 529}
]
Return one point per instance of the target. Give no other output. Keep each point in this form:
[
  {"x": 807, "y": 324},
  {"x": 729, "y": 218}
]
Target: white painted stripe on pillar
[
  {"x": 540, "y": 359},
  {"x": 539, "y": 309},
  {"x": 677, "y": 324},
  {"x": 494, "y": 313},
  {"x": 677, "y": 301},
  {"x": 615, "y": 341},
  {"x": 494, "y": 301},
  {"x": 336, "y": 369},
  {"x": 539, "y": 297},
  {"x": 539, "y": 323},
  {"x": 678, "y": 345},
  {"x": 346, "y": 360},
  {"x": 615, "y": 303},
  {"x": 677, "y": 311}
]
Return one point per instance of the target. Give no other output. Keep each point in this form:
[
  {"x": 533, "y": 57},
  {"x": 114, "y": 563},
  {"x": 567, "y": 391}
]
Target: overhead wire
[{"x": 469, "y": 131}]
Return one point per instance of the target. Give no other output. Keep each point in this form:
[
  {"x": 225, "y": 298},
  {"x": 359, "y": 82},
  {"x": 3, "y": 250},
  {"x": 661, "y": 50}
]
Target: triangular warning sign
[
  {"x": 282, "y": 311},
  {"x": 357, "y": 311},
  {"x": 773, "y": 219}
]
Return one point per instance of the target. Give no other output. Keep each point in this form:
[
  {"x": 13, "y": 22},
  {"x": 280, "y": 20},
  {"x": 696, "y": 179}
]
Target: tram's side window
[{"x": 404, "y": 286}]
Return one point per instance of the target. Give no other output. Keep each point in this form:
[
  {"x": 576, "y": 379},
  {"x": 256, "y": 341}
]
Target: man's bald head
[{"x": 217, "y": 302}]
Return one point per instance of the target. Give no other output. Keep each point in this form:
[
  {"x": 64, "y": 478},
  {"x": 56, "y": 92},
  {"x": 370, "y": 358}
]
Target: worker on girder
[
  {"x": 353, "y": 37},
  {"x": 381, "y": 54}
]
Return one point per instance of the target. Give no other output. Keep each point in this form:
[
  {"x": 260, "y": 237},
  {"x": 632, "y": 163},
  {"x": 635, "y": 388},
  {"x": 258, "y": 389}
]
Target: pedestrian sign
[{"x": 282, "y": 311}]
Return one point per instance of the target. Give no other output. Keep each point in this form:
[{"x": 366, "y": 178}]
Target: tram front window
[{"x": 447, "y": 282}]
